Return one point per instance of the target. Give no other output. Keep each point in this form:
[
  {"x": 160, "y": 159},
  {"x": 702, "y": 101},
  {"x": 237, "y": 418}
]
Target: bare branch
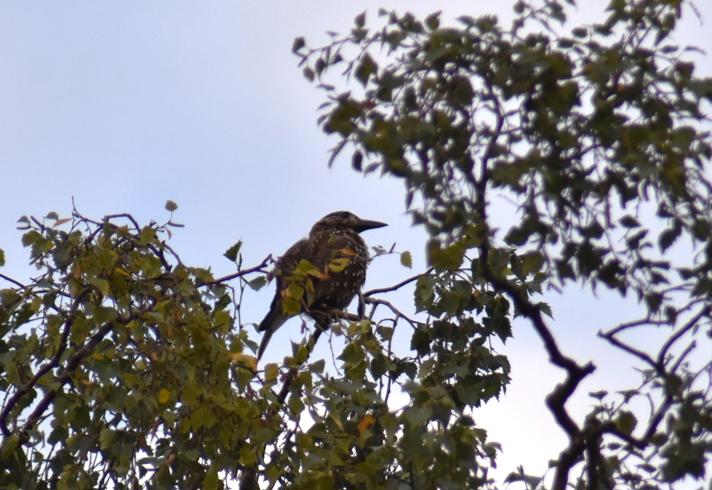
[
  {"x": 258, "y": 268},
  {"x": 397, "y": 286}
]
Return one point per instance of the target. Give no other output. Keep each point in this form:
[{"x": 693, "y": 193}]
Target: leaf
[
  {"x": 2, "y": 257},
  {"x": 106, "y": 438},
  {"x": 271, "y": 372},
  {"x": 338, "y": 264},
  {"x": 668, "y": 237},
  {"x": 449, "y": 257},
  {"x": 297, "y": 44},
  {"x": 365, "y": 69},
  {"x": 406, "y": 259},
  {"x": 291, "y": 306},
  {"x": 24, "y": 223},
  {"x": 629, "y": 222},
  {"x": 231, "y": 253},
  {"x": 626, "y": 422},
  {"x": 101, "y": 284},
  {"x": 365, "y": 422},
  {"x": 52, "y": 215},
  {"x": 598, "y": 395},
  {"x": 244, "y": 360},
  {"x": 30, "y": 238},
  {"x": 432, "y": 21},
  {"x": 347, "y": 252},
  {"x": 164, "y": 395},
  {"x": 356, "y": 160},
  {"x": 211, "y": 482},
  {"x": 257, "y": 283},
  {"x": 171, "y": 205},
  {"x": 360, "y": 19},
  {"x": 9, "y": 444},
  {"x": 60, "y": 222},
  {"x": 532, "y": 262}
]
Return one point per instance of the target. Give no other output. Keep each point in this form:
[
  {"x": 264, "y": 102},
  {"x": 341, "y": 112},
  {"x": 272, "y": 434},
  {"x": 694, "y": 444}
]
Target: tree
[{"x": 123, "y": 367}]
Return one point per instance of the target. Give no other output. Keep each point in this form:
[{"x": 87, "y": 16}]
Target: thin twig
[
  {"x": 258, "y": 268},
  {"x": 397, "y": 286},
  {"x": 16, "y": 283}
]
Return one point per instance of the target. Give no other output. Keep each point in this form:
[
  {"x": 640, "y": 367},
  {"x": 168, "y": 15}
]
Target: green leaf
[
  {"x": 365, "y": 69},
  {"x": 231, "y": 253},
  {"x": 291, "y": 306},
  {"x": 9, "y": 444},
  {"x": 626, "y": 422},
  {"x": 171, "y": 205},
  {"x": 101, "y": 284},
  {"x": 417, "y": 416},
  {"x": 106, "y": 438},
  {"x": 211, "y": 482},
  {"x": 257, "y": 283},
  {"x": 406, "y": 260},
  {"x": 164, "y": 395},
  {"x": 271, "y": 372},
  {"x": 532, "y": 262},
  {"x": 2, "y": 257},
  {"x": 30, "y": 238},
  {"x": 449, "y": 257}
]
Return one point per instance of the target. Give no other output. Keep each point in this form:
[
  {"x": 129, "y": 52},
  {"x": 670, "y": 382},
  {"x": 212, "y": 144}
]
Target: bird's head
[{"x": 343, "y": 220}]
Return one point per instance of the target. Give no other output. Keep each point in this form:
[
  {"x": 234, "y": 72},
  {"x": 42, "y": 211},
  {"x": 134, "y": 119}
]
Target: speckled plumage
[{"x": 334, "y": 237}]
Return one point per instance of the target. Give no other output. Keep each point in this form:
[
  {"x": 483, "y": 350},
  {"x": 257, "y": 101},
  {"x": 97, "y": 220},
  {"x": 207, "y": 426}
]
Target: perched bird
[{"x": 326, "y": 270}]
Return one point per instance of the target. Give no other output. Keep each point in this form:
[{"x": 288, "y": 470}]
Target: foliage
[
  {"x": 599, "y": 136},
  {"x": 123, "y": 367}
]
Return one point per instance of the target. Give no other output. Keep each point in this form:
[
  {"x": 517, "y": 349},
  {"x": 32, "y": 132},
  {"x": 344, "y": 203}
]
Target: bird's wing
[{"x": 290, "y": 259}]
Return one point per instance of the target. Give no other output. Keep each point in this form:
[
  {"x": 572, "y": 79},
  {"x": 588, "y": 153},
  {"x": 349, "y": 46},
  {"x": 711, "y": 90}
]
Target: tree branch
[
  {"x": 258, "y": 268},
  {"x": 65, "y": 375},
  {"x": 51, "y": 364},
  {"x": 397, "y": 286}
]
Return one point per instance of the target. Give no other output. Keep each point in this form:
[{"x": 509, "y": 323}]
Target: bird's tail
[{"x": 274, "y": 319}]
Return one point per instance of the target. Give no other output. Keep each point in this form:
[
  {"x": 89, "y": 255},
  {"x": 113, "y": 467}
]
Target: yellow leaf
[
  {"x": 244, "y": 360},
  {"x": 164, "y": 395},
  {"x": 271, "y": 371},
  {"x": 318, "y": 274},
  {"x": 406, "y": 259},
  {"x": 122, "y": 271},
  {"x": 366, "y": 422},
  {"x": 347, "y": 252},
  {"x": 338, "y": 265}
]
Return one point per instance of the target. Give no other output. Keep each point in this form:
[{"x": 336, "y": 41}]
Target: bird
[{"x": 320, "y": 273}]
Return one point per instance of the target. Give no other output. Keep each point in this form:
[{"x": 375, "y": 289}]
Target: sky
[{"x": 123, "y": 105}]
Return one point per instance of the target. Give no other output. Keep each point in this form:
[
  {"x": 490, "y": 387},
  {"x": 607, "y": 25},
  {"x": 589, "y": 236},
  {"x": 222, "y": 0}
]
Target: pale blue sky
[{"x": 123, "y": 105}]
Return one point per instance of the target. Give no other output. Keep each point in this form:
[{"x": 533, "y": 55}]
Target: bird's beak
[{"x": 365, "y": 224}]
